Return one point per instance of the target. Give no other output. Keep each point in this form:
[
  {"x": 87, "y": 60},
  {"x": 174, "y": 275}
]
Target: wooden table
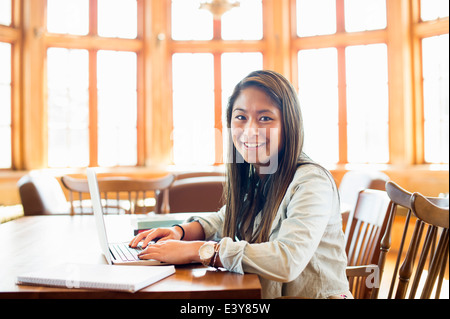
[{"x": 35, "y": 242}]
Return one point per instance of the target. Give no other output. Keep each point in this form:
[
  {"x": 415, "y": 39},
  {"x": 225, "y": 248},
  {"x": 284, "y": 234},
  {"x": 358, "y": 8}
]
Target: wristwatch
[{"x": 206, "y": 252}]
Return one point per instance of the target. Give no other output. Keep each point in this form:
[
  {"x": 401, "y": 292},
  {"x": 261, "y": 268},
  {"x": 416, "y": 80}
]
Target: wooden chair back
[
  {"x": 41, "y": 194},
  {"x": 363, "y": 245},
  {"x": 120, "y": 194},
  {"x": 356, "y": 180},
  {"x": 351, "y": 184},
  {"x": 430, "y": 214},
  {"x": 196, "y": 194}
]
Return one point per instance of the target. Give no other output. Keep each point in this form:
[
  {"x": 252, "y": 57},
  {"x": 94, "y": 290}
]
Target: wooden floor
[{"x": 387, "y": 277}]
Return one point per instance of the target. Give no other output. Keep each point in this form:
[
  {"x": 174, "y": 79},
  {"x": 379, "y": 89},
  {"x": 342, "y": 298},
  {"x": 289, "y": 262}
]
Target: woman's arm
[{"x": 192, "y": 231}]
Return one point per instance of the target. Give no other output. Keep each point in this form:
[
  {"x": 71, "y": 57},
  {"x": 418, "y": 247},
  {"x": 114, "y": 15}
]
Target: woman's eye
[
  {"x": 265, "y": 119},
  {"x": 240, "y": 117}
]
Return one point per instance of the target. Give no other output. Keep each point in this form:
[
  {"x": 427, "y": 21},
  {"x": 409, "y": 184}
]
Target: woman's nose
[{"x": 251, "y": 129}]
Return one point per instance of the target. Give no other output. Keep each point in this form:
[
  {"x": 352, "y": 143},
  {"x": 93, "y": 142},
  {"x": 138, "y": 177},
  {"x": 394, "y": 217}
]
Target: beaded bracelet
[{"x": 182, "y": 229}]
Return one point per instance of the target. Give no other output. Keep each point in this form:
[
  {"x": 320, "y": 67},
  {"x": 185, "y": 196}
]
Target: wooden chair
[
  {"x": 196, "y": 194},
  {"x": 119, "y": 194},
  {"x": 431, "y": 214},
  {"x": 363, "y": 244},
  {"x": 41, "y": 194},
  {"x": 351, "y": 184}
]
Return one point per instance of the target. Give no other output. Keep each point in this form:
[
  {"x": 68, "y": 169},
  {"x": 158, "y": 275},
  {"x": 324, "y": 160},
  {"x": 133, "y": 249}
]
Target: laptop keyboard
[{"x": 125, "y": 252}]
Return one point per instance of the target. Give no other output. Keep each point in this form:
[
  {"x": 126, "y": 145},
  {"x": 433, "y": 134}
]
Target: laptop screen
[{"x": 98, "y": 212}]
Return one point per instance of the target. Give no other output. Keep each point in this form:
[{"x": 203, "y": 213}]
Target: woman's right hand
[{"x": 160, "y": 234}]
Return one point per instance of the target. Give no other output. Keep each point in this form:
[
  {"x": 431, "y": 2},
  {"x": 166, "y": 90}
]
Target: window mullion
[
  {"x": 93, "y": 98},
  {"x": 342, "y": 93}
]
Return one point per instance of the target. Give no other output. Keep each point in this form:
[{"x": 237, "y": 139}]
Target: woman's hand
[
  {"x": 173, "y": 251},
  {"x": 161, "y": 234}
]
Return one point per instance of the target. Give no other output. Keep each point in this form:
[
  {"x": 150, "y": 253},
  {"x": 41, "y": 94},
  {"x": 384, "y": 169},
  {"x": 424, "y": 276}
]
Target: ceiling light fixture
[{"x": 218, "y": 7}]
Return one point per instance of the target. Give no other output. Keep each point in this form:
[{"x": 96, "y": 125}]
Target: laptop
[{"x": 115, "y": 253}]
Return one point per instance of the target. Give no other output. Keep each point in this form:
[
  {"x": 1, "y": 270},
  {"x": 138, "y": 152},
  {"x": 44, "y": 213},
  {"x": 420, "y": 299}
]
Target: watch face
[{"x": 207, "y": 251}]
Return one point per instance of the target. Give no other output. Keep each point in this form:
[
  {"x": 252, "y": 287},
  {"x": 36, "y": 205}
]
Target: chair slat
[{"x": 115, "y": 190}]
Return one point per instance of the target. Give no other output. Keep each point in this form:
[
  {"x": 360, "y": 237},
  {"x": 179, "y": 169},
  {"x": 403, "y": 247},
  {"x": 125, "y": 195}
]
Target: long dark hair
[{"x": 246, "y": 193}]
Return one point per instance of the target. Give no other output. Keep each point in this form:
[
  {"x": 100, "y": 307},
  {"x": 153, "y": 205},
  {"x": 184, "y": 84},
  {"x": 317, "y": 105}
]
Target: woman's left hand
[{"x": 173, "y": 251}]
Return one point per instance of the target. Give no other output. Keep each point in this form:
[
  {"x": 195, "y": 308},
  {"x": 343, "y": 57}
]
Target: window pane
[
  {"x": 236, "y": 66},
  {"x": 189, "y": 22},
  {"x": 68, "y": 107},
  {"x": 5, "y": 12},
  {"x": 68, "y": 16},
  {"x": 435, "y": 90},
  {"x": 5, "y": 105},
  {"x": 318, "y": 93},
  {"x": 117, "y": 18},
  {"x": 244, "y": 22},
  {"x": 193, "y": 109},
  {"x": 433, "y": 9},
  {"x": 316, "y": 17},
  {"x": 367, "y": 103},
  {"x": 117, "y": 108},
  {"x": 362, "y": 15}
]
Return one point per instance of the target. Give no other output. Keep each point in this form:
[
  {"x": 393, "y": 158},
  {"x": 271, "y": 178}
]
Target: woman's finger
[
  {"x": 136, "y": 240},
  {"x": 151, "y": 252}
]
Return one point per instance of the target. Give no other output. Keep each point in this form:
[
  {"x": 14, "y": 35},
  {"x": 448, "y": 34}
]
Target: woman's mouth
[{"x": 253, "y": 146}]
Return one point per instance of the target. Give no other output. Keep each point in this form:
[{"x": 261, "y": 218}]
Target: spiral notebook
[{"x": 106, "y": 277}]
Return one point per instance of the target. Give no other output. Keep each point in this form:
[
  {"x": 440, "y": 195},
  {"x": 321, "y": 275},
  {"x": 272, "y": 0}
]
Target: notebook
[
  {"x": 120, "y": 278},
  {"x": 115, "y": 253}
]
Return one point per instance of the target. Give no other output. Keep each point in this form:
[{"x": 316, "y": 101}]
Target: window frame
[
  {"x": 12, "y": 34},
  {"x": 94, "y": 43},
  {"x": 420, "y": 30},
  {"x": 279, "y": 47},
  {"x": 216, "y": 46},
  {"x": 339, "y": 40}
]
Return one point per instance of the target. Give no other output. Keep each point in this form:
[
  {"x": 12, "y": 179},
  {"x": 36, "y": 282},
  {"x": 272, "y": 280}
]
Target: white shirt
[{"x": 305, "y": 255}]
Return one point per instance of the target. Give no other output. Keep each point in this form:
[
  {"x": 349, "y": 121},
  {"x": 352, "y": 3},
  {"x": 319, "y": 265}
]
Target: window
[
  {"x": 117, "y": 18},
  {"x": 343, "y": 83},
  {"x": 435, "y": 90},
  {"x": 5, "y": 12},
  {"x": 183, "y": 13},
  {"x": 318, "y": 73},
  {"x": 68, "y": 107},
  {"x": 92, "y": 92},
  {"x": 364, "y": 15},
  {"x": 5, "y": 105},
  {"x": 316, "y": 17},
  {"x": 5, "y": 89},
  {"x": 367, "y": 103},
  {"x": 432, "y": 36},
  {"x": 117, "y": 108},
  {"x": 243, "y": 23},
  {"x": 433, "y": 9},
  {"x": 193, "y": 108},
  {"x": 203, "y": 77},
  {"x": 68, "y": 17}
]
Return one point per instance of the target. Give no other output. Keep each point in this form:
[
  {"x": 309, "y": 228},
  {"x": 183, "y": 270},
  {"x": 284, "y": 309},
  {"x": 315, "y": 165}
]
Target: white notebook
[{"x": 107, "y": 277}]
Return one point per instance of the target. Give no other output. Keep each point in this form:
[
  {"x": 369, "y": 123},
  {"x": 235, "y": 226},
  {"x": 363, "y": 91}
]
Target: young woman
[{"x": 281, "y": 219}]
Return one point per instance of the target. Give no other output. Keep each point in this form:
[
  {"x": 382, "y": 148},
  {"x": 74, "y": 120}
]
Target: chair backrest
[
  {"x": 196, "y": 194},
  {"x": 365, "y": 230},
  {"x": 357, "y": 180},
  {"x": 41, "y": 194},
  {"x": 430, "y": 214},
  {"x": 120, "y": 194}
]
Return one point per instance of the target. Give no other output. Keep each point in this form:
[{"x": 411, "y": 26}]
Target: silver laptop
[{"x": 115, "y": 253}]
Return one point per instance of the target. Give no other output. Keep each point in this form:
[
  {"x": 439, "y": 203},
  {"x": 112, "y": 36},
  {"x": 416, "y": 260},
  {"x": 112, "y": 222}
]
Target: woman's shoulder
[
  {"x": 309, "y": 169},
  {"x": 312, "y": 174}
]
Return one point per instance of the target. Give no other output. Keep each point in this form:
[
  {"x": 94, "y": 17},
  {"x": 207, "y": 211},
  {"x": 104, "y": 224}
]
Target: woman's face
[{"x": 256, "y": 127}]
